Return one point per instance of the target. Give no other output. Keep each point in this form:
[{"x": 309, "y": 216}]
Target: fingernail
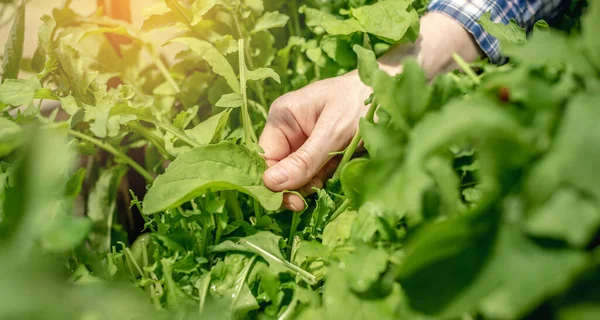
[
  {"x": 277, "y": 175},
  {"x": 292, "y": 207}
]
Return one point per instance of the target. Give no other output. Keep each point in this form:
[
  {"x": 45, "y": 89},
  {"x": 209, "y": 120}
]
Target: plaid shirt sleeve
[{"x": 525, "y": 13}]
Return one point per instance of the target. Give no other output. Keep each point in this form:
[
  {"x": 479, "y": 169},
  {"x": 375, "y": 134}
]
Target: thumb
[{"x": 301, "y": 166}]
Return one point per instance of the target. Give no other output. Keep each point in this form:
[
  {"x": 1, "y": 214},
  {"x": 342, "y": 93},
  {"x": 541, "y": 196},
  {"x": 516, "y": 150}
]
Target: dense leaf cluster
[{"x": 478, "y": 196}]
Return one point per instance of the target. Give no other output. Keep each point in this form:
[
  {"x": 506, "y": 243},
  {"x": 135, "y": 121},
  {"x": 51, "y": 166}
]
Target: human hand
[{"x": 304, "y": 127}]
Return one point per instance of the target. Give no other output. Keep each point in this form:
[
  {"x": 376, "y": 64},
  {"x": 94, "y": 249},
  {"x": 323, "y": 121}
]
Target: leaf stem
[
  {"x": 234, "y": 205},
  {"x": 169, "y": 128},
  {"x": 293, "y": 227},
  {"x": 204, "y": 292},
  {"x": 303, "y": 274},
  {"x": 134, "y": 165},
  {"x": 155, "y": 140},
  {"x": 295, "y": 18},
  {"x": 466, "y": 68},
  {"x": 249, "y": 134},
  {"x": 258, "y": 210},
  {"x": 258, "y": 88},
  {"x": 239, "y": 284},
  {"x": 164, "y": 71},
  {"x": 340, "y": 209}
]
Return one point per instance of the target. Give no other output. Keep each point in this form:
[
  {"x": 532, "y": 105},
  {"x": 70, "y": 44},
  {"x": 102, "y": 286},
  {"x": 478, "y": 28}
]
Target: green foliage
[
  {"x": 13, "y": 48},
  {"x": 479, "y": 196}
]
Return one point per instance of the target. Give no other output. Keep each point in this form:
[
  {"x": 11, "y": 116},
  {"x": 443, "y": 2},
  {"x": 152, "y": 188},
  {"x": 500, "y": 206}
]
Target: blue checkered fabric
[{"x": 525, "y": 13}]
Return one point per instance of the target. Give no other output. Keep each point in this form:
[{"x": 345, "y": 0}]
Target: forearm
[{"x": 439, "y": 37}]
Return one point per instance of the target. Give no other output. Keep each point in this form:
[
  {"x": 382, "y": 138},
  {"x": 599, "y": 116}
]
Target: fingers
[
  {"x": 301, "y": 166},
  {"x": 321, "y": 178},
  {"x": 294, "y": 202}
]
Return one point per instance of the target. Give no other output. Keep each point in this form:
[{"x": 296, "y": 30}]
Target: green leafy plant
[{"x": 139, "y": 193}]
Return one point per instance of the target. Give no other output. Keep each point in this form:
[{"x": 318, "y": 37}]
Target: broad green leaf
[
  {"x": 329, "y": 22},
  {"x": 389, "y": 19},
  {"x": 500, "y": 273},
  {"x": 214, "y": 58},
  {"x": 506, "y": 34},
  {"x": 225, "y": 166},
  {"x": 230, "y": 100},
  {"x": 13, "y": 48},
  {"x": 262, "y": 74},
  {"x": 211, "y": 129},
  {"x": 367, "y": 64},
  {"x": 18, "y": 92},
  {"x": 11, "y": 136},
  {"x": 566, "y": 216},
  {"x": 270, "y": 20}
]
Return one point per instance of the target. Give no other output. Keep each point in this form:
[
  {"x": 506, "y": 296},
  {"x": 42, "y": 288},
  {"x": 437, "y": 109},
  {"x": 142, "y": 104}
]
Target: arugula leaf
[
  {"x": 266, "y": 245},
  {"x": 211, "y": 129},
  {"x": 261, "y": 74},
  {"x": 214, "y": 58},
  {"x": 270, "y": 20},
  {"x": 507, "y": 34},
  {"x": 389, "y": 20},
  {"x": 225, "y": 166},
  {"x": 331, "y": 24},
  {"x": 19, "y": 92},
  {"x": 367, "y": 64},
  {"x": 13, "y": 48},
  {"x": 40, "y": 59},
  {"x": 157, "y": 16},
  {"x": 230, "y": 100}
]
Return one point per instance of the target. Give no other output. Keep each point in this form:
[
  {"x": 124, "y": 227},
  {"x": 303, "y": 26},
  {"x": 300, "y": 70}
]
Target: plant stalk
[
  {"x": 134, "y": 165},
  {"x": 349, "y": 152},
  {"x": 466, "y": 68}
]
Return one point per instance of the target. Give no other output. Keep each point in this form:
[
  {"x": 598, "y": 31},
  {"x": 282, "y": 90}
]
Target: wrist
[{"x": 439, "y": 37}]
